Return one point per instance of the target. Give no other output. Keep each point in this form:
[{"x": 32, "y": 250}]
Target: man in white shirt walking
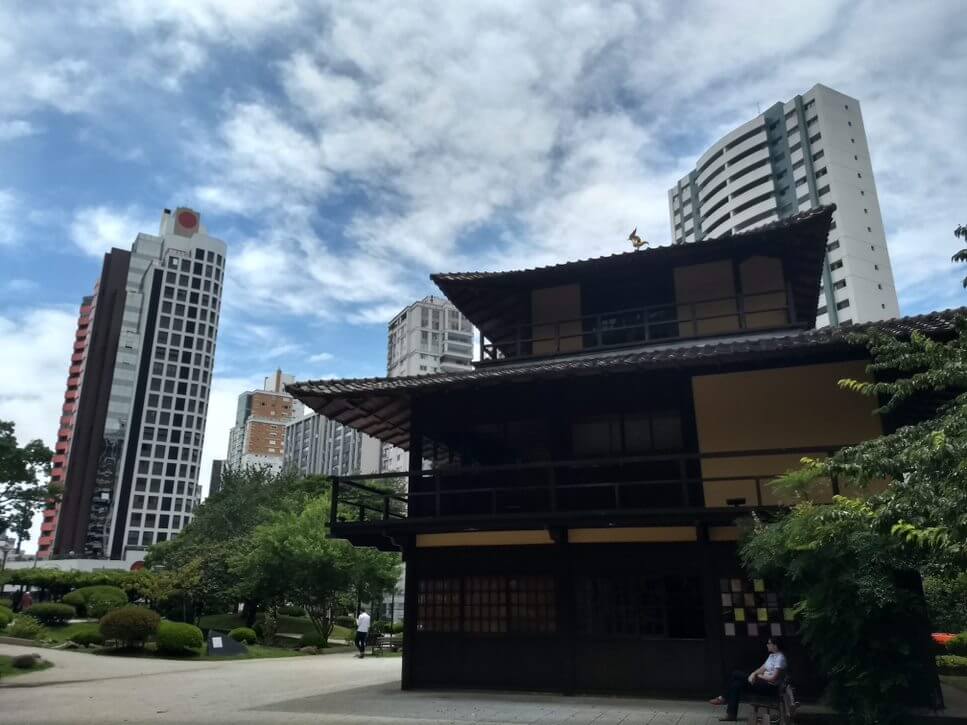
[{"x": 362, "y": 632}]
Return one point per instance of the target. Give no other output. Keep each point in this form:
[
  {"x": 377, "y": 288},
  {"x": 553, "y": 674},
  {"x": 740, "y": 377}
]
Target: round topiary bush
[
  {"x": 291, "y": 611},
  {"x": 244, "y": 635},
  {"x": 6, "y": 602},
  {"x": 952, "y": 665},
  {"x": 958, "y": 645},
  {"x": 25, "y": 662},
  {"x": 179, "y": 638},
  {"x": 397, "y": 628},
  {"x": 76, "y": 600},
  {"x": 344, "y": 620},
  {"x": 96, "y": 601},
  {"x": 313, "y": 639},
  {"x": 51, "y": 614},
  {"x": 129, "y": 626},
  {"x": 25, "y": 627},
  {"x": 87, "y": 636},
  {"x": 6, "y": 617}
]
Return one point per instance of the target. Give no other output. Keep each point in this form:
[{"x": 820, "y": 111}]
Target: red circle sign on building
[{"x": 188, "y": 220}]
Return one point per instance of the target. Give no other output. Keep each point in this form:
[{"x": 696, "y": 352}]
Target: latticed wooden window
[
  {"x": 644, "y": 606},
  {"x": 485, "y": 605},
  {"x": 438, "y": 605},
  {"x": 533, "y": 604}
]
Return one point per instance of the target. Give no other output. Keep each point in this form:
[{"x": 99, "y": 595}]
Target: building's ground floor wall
[{"x": 642, "y": 618}]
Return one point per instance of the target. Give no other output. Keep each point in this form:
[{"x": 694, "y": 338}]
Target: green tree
[
  {"x": 852, "y": 564},
  {"x": 292, "y": 558},
  {"x": 221, "y": 526},
  {"x": 24, "y": 472},
  {"x": 961, "y": 256}
]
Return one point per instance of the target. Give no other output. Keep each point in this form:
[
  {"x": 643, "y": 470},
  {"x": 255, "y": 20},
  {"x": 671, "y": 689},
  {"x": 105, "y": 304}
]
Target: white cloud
[
  {"x": 95, "y": 230},
  {"x": 16, "y": 128},
  {"x": 321, "y": 357},
  {"x": 9, "y": 224},
  {"x": 36, "y": 347}
]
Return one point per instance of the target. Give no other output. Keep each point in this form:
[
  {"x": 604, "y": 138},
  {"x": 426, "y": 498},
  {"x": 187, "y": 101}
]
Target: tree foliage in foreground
[
  {"x": 262, "y": 540},
  {"x": 852, "y": 565},
  {"x": 293, "y": 559},
  {"x": 24, "y": 486}
]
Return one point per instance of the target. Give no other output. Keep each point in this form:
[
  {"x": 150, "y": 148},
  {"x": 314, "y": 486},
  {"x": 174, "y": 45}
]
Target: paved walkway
[{"x": 85, "y": 688}]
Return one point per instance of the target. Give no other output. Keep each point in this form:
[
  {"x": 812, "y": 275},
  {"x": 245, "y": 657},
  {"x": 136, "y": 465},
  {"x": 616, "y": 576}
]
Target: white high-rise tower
[{"x": 797, "y": 155}]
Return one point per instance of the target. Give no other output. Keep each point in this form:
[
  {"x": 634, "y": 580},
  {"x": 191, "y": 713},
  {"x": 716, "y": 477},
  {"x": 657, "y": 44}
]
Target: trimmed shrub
[
  {"x": 6, "y": 602},
  {"x": 292, "y": 611},
  {"x": 397, "y": 628},
  {"x": 244, "y": 635},
  {"x": 87, "y": 636},
  {"x": 958, "y": 645},
  {"x": 6, "y": 616},
  {"x": 179, "y": 638},
  {"x": 96, "y": 601},
  {"x": 52, "y": 615},
  {"x": 344, "y": 620},
  {"x": 25, "y": 662},
  {"x": 76, "y": 600},
  {"x": 25, "y": 627},
  {"x": 952, "y": 665},
  {"x": 313, "y": 639},
  {"x": 129, "y": 626},
  {"x": 947, "y": 602}
]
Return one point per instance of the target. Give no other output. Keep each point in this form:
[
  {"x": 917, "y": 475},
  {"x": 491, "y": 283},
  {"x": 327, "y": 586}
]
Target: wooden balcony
[
  {"x": 657, "y": 489},
  {"x": 677, "y": 320}
]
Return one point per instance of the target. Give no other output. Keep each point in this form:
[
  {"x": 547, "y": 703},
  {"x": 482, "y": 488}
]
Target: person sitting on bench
[{"x": 763, "y": 681}]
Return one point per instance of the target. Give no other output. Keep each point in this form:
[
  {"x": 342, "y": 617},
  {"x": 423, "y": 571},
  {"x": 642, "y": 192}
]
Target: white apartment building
[
  {"x": 430, "y": 336},
  {"x": 797, "y": 155}
]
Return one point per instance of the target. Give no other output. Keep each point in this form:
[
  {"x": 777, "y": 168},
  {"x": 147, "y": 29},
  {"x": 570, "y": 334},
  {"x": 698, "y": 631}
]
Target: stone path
[{"x": 338, "y": 688}]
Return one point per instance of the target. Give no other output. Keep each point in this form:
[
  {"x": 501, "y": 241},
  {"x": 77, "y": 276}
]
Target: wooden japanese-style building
[{"x": 569, "y": 519}]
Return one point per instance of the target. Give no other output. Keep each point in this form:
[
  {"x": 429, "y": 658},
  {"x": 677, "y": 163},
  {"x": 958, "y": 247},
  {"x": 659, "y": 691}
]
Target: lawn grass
[
  {"x": 255, "y": 652},
  {"x": 8, "y": 670},
  {"x": 57, "y": 635}
]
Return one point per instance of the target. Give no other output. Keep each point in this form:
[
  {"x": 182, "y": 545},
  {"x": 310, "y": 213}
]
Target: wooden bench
[
  {"x": 784, "y": 706},
  {"x": 392, "y": 642}
]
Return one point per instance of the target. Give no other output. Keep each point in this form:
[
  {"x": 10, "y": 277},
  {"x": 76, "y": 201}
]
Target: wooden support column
[
  {"x": 714, "y": 655},
  {"x": 566, "y": 614},
  {"x": 410, "y": 595}
]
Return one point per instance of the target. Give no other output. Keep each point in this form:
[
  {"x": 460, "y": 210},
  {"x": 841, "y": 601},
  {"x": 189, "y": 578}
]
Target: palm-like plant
[{"x": 961, "y": 256}]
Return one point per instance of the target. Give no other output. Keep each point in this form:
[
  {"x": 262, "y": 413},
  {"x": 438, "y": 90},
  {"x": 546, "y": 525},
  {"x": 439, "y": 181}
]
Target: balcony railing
[
  {"x": 667, "y": 321},
  {"x": 658, "y": 483}
]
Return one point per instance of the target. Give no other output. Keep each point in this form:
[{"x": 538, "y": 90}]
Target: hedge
[
  {"x": 344, "y": 620},
  {"x": 6, "y": 602},
  {"x": 130, "y": 626},
  {"x": 6, "y": 617},
  {"x": 952, "y": 665},
  {"x": 178, "y": 638},
  {"x": 25, "y": 627},
  {"x": 958, "y": 645},
  {"x": 291, "y": 611},
  {"x": 87, "y": 636},
  {"x": 313, "y": 639},
  {"x": 243, "y": 634},
  {"x": 96, "y": 601},
  {"x": 51, "y": 614}
]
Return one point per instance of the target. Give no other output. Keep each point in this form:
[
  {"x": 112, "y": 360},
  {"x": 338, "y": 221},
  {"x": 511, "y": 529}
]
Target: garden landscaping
[{"x": 21, "y": 665}]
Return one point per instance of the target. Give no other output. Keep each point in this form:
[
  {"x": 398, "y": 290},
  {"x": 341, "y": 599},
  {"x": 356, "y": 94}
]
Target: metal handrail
[
  {"x": 522, "y": 336},
  {"x": 551, "y": 488}
]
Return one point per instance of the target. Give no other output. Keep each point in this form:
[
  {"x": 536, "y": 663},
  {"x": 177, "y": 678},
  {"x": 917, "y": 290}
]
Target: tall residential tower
[
  {"x": 798, "y": 155},
  {"x": 132, "y": 474}
]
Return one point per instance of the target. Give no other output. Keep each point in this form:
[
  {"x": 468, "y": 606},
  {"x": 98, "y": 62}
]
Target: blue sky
[{"x": 346, "y": 150}]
